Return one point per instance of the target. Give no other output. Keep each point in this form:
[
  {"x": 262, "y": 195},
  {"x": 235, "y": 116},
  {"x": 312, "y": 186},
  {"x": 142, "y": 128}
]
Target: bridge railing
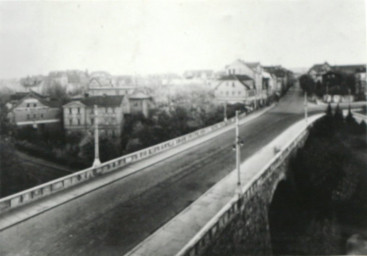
[
  {"x": 359, "y": 117},
  {"x": 79, "y": 177},
  {"x": 199, "y": 243}
]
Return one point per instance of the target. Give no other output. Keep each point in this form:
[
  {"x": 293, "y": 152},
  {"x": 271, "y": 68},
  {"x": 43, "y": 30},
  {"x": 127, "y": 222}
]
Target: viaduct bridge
[{"x": 156, "y": 201}]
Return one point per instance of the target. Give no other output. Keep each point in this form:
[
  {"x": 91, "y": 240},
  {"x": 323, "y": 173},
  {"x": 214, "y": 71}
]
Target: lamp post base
[
  {"x": 239, "y": 190},
  {"x": 96, "y": 162}
]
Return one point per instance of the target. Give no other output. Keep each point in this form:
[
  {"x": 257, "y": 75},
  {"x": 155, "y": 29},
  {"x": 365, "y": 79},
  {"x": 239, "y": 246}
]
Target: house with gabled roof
[
  {"x": 239, "y": 67},
  {"x": 140, "y": 102},
  {"x": 240, "y": 74},
  {"x": 235, "y": 89},
  {"x": 79, "y": 114},
  {"x": 35, "y": 110},
  {"x": 349, "y": 69},
  {"x": 106, "y": 86},
  {"x": 318, "y": 70},
  {"x": 281, "y": 77}
]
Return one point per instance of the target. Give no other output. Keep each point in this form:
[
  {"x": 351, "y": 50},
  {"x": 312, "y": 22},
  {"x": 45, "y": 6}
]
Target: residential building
[
  {"x": 99, "y": 86},
  {"x": 349, "y": 69},
  {"x": 318, "y": 70},
  {"x": 79, "y": 114},
  {"x": 270, "y": 84},
  {"x": 235, "y": 89},
  {"x": 239, "y": 67},
  {"x": 360, "y": 77},
  {"x": 281, "y": 77},
  {"x": 238, "y": 74},
  {"x": 34, "y": 110},
  {"x": 140, "y": 102},
  {"x": 344, "y": 79}
]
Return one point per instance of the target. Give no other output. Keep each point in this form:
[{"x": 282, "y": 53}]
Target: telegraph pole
[
  {"x": 306, "y": 110},
  {"x": 225, "y": 111},
  {"x": 96, "y": 161},
  {"x": 238, "y": 155}
]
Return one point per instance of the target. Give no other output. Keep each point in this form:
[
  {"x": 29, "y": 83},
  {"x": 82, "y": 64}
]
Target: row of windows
[
  {"x": 78, "y": 121},
  {"x": 232, "y": 71},
  {"x": 29, "y": 105},
  {"x": 34, "y": 116},
  {"x": 227, "y": 93},
  {"x": 229, "y": 83},
  {"x": 92, "y": 110}
]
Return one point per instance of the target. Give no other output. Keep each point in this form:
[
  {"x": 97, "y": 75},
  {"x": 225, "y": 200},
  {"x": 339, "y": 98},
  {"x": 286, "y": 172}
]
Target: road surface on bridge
[{"x": 187, "y": 176}]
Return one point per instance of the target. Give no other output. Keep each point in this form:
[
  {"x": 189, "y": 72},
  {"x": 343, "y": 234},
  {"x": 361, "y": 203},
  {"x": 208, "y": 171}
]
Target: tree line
[{"x": 324, "y": 200}]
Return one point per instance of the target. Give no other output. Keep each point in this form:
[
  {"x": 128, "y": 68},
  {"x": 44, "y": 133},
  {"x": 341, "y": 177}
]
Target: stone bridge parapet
[
  {"x": 242, "y": 224},
  {"x": 51, "y": 187}
]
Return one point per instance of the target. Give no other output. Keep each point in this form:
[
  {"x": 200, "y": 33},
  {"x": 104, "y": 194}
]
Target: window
[
  {"x": 34, "y": 115},
  {"x": 227, "y": 93},
  {"x": 28, "y": 117},
  {"x": 78, "y": 121},
  {"x": 28, "y": 105},
  {"x": 92, "y": 120},
  {"x": 41, "y": 115},
  {"x": 78, "y": 110},
  {"x": 34, "y": 104},
  {"x": 233, "y": 84},
  {"x": 70, "y": 121},
  {"x": 70, "y": 110}
]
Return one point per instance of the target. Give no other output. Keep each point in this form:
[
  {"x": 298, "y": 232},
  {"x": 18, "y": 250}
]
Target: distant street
[{"x": 195, "y": 170}]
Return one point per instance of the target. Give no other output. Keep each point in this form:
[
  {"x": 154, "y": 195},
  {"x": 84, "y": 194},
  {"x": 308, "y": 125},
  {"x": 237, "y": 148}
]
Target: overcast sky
[{"x": 128, "y": 37}]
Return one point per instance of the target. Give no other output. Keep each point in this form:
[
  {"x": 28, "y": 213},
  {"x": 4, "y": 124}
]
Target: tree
[
  {"x": 57, "y": 91},
  {"x": 307, "y": 84},
  {"x": 5, "y": 126},
  {"x": 329, "y": 112},
  {"x": 338, "y": 115},
  {"x": 30, "y": 82}
]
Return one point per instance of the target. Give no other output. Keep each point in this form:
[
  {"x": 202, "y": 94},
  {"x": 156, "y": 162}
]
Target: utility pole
[
  {"x": 238, "y": 155},
  {"x": 225, "y": 111},
  {"x": 306, "y": 110},
  {"x": 96, "y": 161}
]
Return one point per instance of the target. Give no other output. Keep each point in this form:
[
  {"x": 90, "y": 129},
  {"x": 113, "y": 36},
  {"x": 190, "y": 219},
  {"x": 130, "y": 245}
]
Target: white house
[{"x": 235, "y": 89}]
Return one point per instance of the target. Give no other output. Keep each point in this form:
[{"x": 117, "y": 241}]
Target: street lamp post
[
  {"x": 238, "y": 155},
  {"x": 96, "y": 161},
  {"x": 225, "y": 111},
  {"x": 306, "y": 110}
]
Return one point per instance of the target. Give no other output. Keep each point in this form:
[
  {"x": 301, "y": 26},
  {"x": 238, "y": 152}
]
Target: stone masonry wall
[{"x": 248, "y": 232}]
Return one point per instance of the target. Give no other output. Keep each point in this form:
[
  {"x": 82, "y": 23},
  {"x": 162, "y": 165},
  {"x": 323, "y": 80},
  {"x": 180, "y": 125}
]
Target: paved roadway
[{"x": 187, "y": 175}]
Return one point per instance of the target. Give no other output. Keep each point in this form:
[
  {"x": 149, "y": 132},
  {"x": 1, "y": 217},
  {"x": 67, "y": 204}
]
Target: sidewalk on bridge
[
  {"x": 174, "y": 235},
  {"x": 36, "y": 207}
]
